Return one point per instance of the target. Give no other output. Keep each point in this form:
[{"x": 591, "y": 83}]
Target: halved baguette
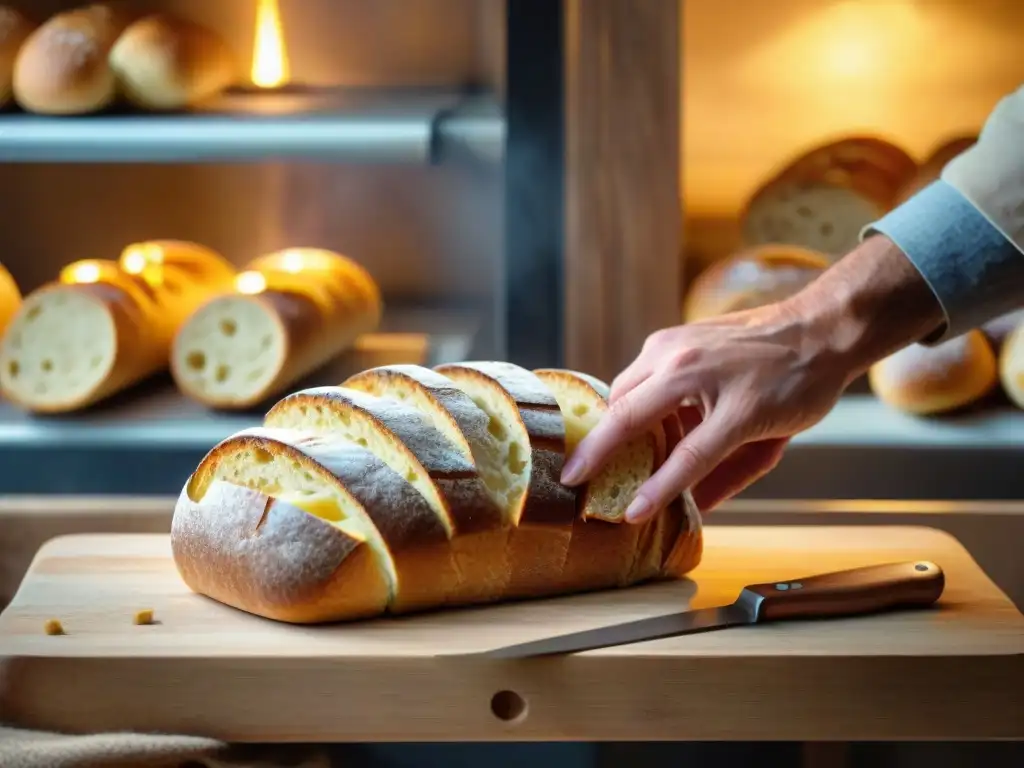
[
  {"x": 527, "y": 447},
  {"x": 374, "y": 504},
  {"x": 682, "y": 537},
  {"x": 405, "y": 440},
  {"x": 10, "y": 298},
  {"x": 289, "y": 559}
]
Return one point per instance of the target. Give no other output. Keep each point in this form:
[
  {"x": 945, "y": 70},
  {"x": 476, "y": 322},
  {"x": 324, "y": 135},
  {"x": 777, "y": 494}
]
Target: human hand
[{"x": 743, "y": 385}]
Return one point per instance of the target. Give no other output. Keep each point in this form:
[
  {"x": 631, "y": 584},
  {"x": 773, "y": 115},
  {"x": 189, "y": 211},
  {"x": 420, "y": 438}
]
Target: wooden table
[{"x": 955, "y": 672}]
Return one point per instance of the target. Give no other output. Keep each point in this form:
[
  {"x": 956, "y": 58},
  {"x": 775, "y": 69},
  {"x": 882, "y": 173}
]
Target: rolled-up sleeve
[{"x": 965, "y": 232}]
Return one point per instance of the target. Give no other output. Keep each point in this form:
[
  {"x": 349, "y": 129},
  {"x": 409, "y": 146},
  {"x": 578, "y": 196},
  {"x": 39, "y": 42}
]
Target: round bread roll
[
  {"x": 999, "y": 329},
  {"x": 164, "y": 62},
  {"x": 752, "y": 278},
  {"x": 14, "y": 30},
  {"x": 62, "y": 68},
  {"x": 824, "y": 198},
  {"x": 926, "y": 380},
  {"x": 931, "y": 168},
  {"x": 10, "y": 298},
  {"x": 279, "y": 325},
  {"x": 1011, "y": 365}
]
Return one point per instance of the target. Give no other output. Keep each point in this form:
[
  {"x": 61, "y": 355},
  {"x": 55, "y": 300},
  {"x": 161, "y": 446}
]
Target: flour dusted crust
[
  {"x": 10, "y": 298},
  {"x": 62, "y": 69},
  {"x": 751, "y": 278},
  {"x": 526, "y": 420},
  {"x": 262, "y": 555},
  {"x": 14, "y": 30},
  {"x": 374, "y": 503},
  {"x": 405, "y": 440},
  {"x": 925, "y": 380},
  {"x": 164, "y": 62},
  {"x": 1011, "y": 365}
]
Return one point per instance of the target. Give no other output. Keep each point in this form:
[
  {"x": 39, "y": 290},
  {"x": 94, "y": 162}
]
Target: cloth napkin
[{"x": 34, "y": 749}]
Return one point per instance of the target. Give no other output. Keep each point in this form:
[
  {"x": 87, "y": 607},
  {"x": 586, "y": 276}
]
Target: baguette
[
  {"x": 244, "y": 347},
  {"x": 683, "y": 538},
  {"x": 931, "y": 168},
  {"x": 10, "y": 298},
  {"x": 62, "y": 69},
  {"x": 752, "y": 278},
  {"x": 14, "y": 30},
  {"x": 99, "y": 330},
  {"x": 362, "y": 496},
  {"x": 929, "y": 380},
  {"x": 406, "y": 441},
  {"x": 163, "y": 62},
  {"x": 1011, "y": 366},
  {"x": 528, "y": 448}
]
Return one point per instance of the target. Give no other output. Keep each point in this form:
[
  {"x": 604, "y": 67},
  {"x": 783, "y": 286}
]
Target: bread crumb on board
[
  {"x": 53, "y": 627},
  {"x": 143, "y": 617}
]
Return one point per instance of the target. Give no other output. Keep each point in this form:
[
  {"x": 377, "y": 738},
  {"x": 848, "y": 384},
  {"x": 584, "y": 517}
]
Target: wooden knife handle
[{"x": 916, "y": 584}]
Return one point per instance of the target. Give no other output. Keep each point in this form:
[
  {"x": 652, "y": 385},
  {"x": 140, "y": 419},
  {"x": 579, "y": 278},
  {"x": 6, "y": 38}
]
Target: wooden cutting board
[{"x": 955, "y": 672}]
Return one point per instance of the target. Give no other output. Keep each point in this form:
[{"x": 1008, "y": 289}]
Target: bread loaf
[
  {"x": 928, "y": 380},
  {"x": 369, "y": 505},
  {"x": 14, "y": 30},
  {"x": 408, "y": 443},
  {"x": 1011, "y": 365},
  {"x": 752, "y": 278},
  {"x": 822, "y": 199},
  {"x": 163, "y": 62},
  {"x": 97, "y": 331},
  {"x": 279, "y": 325},
  {"x": 931, "y": 168},
  {"x": 62, "y": 67},
  {"x": 10, "y": 298}
]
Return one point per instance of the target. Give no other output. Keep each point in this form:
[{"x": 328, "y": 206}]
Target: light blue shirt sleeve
[{"x": 975, "y": 271}]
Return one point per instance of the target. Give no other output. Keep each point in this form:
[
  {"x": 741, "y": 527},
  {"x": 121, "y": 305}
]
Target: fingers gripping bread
[
  {"x": 682, "y": 539},
  {"x": 367, "y": 500},
  {"x": 527, "y": 447},
  {"x": 10, "y": 298},
  {"x": 405, "y": 440}
]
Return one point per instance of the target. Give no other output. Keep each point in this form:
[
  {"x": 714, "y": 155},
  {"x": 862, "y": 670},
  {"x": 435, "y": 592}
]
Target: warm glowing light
[
  {"x": 269, "y": 57},
  {"x": 81, "y": 272},
  {"x": 136, "y": 258},
  {"x": 250, "y": 283}
]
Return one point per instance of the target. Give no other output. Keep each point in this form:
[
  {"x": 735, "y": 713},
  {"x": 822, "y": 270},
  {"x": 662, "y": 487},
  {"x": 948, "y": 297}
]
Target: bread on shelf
[
  {"x": 1011, "y": 365},
  {"x": 931, "y": 168},
  {"x": 752, "y": 278},
  {"x": 62, "y": 67},
  {"x": 163, "y": 62},
  {"x": 284, "y": 318},
  {"x": 405, "y": 440},
  {"x": 359, "y": 500},
  {"x": 15, "y": 28},
  {"x": 10, "y": 298},
  {"x": 822, "y": 199},
  {"x": 997, "y": 330},
  {"x": 99, "y": 329},
  {"x": 928, "y": 380}
]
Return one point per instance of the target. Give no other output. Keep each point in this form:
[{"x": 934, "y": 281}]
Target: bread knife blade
[{"x": 871, "y": 589}]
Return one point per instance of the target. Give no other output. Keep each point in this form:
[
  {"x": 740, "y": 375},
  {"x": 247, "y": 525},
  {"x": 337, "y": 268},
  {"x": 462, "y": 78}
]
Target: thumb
[{"x": 696, "y": 455}]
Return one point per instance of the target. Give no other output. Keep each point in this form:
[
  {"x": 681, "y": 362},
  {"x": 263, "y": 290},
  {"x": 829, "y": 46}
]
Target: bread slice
[
  {"x": 376, "y": 504},
  {"x": 70, "y": 346},
  {"x": 404, "y": 439},
  {"x": 10, "y": 298},
  {"x": 681, "y": 538},
  {"x": 603, "y": 547},
  {"x": 293, "y": 559},
  {"x": 527, "y": 449},
  {"x": 925, "y": 380}
]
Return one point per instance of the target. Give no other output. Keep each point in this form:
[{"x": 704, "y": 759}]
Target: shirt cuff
[{"x": 974, "y": 270}]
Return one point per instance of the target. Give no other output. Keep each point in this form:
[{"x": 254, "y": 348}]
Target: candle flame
[
  {"x": 250, "y": 283},
  {"x": 269, "y": 58}
]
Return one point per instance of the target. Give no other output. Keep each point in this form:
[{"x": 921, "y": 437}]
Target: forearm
[{"x": 871, "y": 303}]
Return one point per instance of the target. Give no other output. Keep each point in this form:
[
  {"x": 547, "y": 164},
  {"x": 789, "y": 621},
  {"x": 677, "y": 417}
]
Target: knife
[{"x": 872, "y": 589}]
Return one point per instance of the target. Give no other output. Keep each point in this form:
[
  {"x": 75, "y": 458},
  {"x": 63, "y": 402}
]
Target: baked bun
[
  {"x": 998, "y": 329},
  {"x": 931, "y": 169},
  {"x": 752, "y": 278},
  {"x": 163, "y": 62},
  {"x": 10, "y": 298},
  {"x": 822, "y": 199},
  {"x": 62, "y": 68},
  {"x": 1011, "y": 365},
  {"x": 14, "y": 30},
  {"x": 927, "y": 380}
]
